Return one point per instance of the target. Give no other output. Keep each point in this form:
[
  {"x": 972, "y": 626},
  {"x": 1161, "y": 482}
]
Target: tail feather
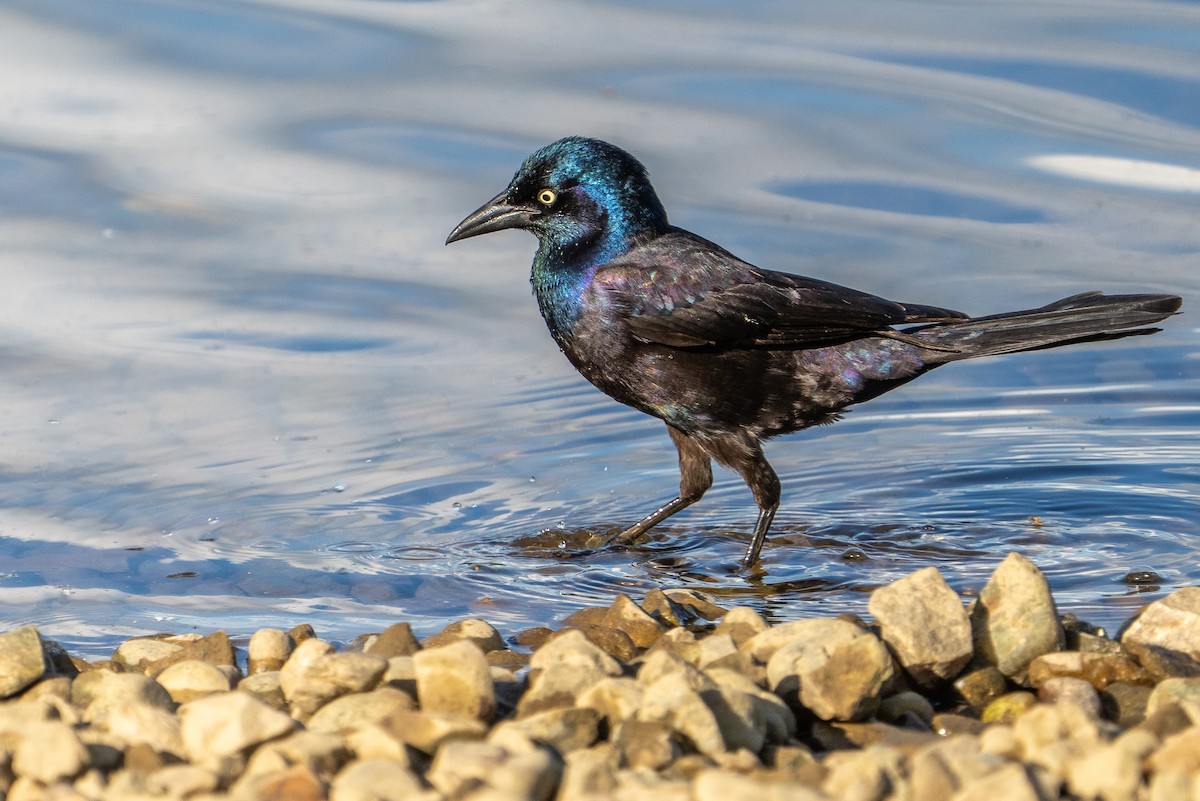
[{"x": 1085, "y": 317}]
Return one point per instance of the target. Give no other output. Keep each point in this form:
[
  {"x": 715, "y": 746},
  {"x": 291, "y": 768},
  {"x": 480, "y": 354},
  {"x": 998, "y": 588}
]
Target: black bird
[{"x": 726, "y": 353}]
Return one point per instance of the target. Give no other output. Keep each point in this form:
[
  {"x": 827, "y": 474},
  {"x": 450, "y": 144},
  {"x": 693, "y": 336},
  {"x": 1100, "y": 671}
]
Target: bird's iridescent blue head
[{"x": 574, "y": 193}]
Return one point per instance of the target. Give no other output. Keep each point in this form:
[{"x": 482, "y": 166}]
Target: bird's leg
[
  {"x": 743, "y": 454},
  {"x": 695, "y": 477}
]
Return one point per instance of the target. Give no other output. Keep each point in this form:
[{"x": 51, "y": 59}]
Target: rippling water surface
[{"x": 243, "y": 383}]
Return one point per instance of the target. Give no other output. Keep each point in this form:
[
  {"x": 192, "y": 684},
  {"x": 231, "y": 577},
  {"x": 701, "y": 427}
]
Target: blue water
[{"x": 243, "y": 384}]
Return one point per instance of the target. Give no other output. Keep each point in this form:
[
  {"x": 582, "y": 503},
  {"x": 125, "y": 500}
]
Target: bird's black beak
[{"x": 495, "y": 215}]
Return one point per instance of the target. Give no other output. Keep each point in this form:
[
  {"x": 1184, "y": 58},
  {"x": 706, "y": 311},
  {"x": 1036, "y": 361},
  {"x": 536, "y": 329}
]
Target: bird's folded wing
[{"x": 683, "y": 291}]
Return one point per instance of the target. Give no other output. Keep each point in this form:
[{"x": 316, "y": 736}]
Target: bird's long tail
[{"x": 1086, "y": 317}]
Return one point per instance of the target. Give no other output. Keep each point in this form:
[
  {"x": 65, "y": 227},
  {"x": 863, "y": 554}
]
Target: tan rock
[
  {"x": 22, "y": 660},
  {"x": 1011, "y": 782},
  {"x": 427, "y": 731},
  {"x": 395, "y": 640},
  {"x": 1014, "y": 620},
  {"x": 1166, "y": 635},
  {"x": 871, "y": 774},
  {"x": 227, "y": 724},
  {"x": 1179, "y": 753},
  {"x": 191, "y": 679},
  {"x": 455, "y": 679},
  {"x": 831, "y": 667},
  {"x": 480, "y": 632},
  {"x": 268, "y": 650},
  {"x": 1097, "y": 669},
  {"x": 616, "y": 699},
  {"x": 377, "y": 780},
  {"x": 1055, "y": 735},
  {"x": 630, "y": 618},
  {"x": 266, "y": 688},
  {"x": 49, "y": 752},
  {"x": 719, "y": 785},
  {"x": 741, "y": 623},
  {"x": 1064, "y": 689},
  {"x": 925, "y": 625},
  {"x": 589, "y": 774},
  {"x": 314, "y": 676},
  {"x": 565, "y": 730},
  {"x": 356, "y": 710},
  {"x": 460, "y": 766},
  {"x": 320, "y": 754},
  {"x": 645, "y": 744},
  {"x": 1173, "y": 691}
]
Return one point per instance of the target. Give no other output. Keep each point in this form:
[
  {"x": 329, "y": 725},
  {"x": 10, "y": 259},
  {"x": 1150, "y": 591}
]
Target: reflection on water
[{"x": 245, "y": 385}]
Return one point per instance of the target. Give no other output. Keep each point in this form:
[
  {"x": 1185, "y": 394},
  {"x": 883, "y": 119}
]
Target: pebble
[
  {"x": 1165, "y": 637},
  {"x": 829, "y": 667},
  {"x": 725, "y": 706},
  {"x": 925, "y": 625},
  {"x": 22, "y": 660},
  {"x": 268, "y": 650},
  {"x": 1014, "y": 619},
  {"x": 455, "y": 679}
]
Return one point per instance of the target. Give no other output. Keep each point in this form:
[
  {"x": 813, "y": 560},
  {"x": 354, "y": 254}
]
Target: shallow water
[{"x": 245, "y": 385}]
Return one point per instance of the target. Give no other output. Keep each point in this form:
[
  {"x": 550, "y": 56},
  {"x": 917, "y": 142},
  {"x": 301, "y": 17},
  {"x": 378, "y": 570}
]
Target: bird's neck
[{"x": 561, "y": 274}]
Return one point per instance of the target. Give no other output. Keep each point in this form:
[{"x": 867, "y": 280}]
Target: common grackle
[{"x": 726, "y": 353}]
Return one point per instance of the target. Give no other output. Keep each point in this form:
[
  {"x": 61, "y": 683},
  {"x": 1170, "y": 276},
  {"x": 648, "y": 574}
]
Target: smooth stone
[
  {"x": 1111, "y": 771},
  {"x": 1179, "y": 753},
  {"x": 645, "y": 744},
  {"x": 1055, "y": 735},
  {"x": 1011, "y": 782},
  {"x": 830, "y": 667},
  {"x": 1165, "y": 637},
  {"x": 137, "y": 723},
  {"x": 925, "y": 625},
  {"x": 700, "y": 605},
  {"x": 296, "y": 783},
  {"x": 314, "y": 676},
  {"x": 22, "y": 660},
  {"x": 872, "y": 773},
  {"x": 895, "y": 707},
  {"x": 588, "y": 616},
  {"x": 268, "y": 650},
  {"x": 322, "y": 754},
  {"x": 1014, "y": 619},
  {"x": 1097, "y": 669},
  {"x": 681, "y": 643},
  {"x": 741, "y": 623},
  {"x": 562, "y": 669},
  {"x": 49, "y": 752},
  {"x": 1173, "y": 691},
  {"x": 191, "y": 679},
  {"x": 671, "y": 699},
  {"x": 461, "y": 765},
  {"x": 1008, "y": 707},
  {"x": 982, "y": 686},
  {"x": 565, "y": 730},
  {"x": 1064, "y": 689},
  {"x": 663, "y": 609},
  {"x": 1125, "y": 704},
  {"x": 455, "y": 679},
  {"x": 720, "y": 650},
  {"x": 357, "y": 710},
  {"x": 374, "y": 741},
  {"x": 589, "y": 774},
  {"x": 479, "y": 632},
  {"x": 613, "y": 641},
  {"x": 181, "y": 781},
  {"x": 228, "y": 724},
  {"x": 140, "y": 652},
  {"x": 614, "y": 698},
  {"x": 767, "y": 714},
  {"x": 98, "y": 691},
  {"x": 376, "y": 780},
  {"x": 427, "y": 731},
  {"x": 625, "y": 615},
  {"x": 396, "y": 640},
  {"x": 942, "y": 768},
  {"x": 720, "y": 785},
  {"x": 266, "y": 688}
]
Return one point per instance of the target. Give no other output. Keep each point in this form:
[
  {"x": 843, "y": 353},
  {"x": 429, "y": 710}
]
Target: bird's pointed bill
[{"x": 495, "y": 215}]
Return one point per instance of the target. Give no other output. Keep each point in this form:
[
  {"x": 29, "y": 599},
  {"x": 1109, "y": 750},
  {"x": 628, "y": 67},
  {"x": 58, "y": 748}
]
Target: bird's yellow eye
[{"x": 547, "y": 197}]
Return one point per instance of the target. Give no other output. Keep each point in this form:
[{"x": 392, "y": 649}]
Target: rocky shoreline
[{"x": 672, "y": 698}]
